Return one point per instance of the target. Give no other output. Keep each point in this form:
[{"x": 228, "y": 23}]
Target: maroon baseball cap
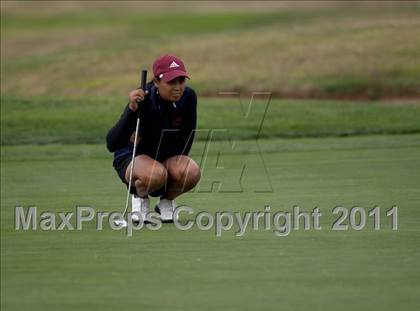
[{"x": 169, "y": 67}]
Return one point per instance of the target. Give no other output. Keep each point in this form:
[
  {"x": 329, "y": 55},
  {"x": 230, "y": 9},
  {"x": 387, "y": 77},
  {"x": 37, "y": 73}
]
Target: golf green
[{"x": 172, "y": 269}]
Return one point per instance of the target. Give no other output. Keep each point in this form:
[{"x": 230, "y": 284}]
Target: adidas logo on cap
[{"x": 173, "y": 65}]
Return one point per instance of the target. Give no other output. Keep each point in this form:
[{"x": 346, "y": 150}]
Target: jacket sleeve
[
  {"x": 188, "y": 130},
  {"x": 119, "y": 135}
]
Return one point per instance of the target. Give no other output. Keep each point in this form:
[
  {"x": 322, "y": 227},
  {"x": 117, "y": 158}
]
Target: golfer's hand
[{"x": 134, "y": 96}]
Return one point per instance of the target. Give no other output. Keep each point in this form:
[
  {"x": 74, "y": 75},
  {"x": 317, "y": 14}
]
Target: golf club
[{"x": 123, "y": 222}]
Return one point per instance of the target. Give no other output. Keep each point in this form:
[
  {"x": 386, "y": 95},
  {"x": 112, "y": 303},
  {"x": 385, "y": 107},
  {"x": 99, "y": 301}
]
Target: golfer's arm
[
  {"x": 119, "y": 135},
  {"x": 188, "y": 132},
  {"x": 188, "y": 144}
]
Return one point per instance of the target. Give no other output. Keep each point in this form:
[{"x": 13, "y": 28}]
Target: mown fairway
[
  {"x": 194, "y": 270},
  {"x": 87, "y": 120},
  {"x": 66, "y": 70}
]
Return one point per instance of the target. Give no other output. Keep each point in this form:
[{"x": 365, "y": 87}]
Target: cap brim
[{"x": 174, "y": 74}]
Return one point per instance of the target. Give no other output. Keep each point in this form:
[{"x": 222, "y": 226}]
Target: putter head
[{"x": 121, "y": 223}]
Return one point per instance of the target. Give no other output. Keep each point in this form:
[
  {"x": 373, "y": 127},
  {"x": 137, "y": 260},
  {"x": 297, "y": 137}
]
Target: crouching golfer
[{"x": 168, "y": 117}]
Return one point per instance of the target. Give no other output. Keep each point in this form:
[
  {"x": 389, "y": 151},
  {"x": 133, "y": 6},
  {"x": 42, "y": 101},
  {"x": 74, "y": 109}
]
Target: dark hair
[{"x": 153, "y": 79}]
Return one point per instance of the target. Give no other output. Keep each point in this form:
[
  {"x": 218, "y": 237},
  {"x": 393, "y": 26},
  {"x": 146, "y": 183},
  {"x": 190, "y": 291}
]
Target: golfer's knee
[
  {"x": 193, "y": 176},
  {"x": 188, "y": 176}
]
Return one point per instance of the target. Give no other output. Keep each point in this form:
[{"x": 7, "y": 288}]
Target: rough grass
[
  {"x": 43, "y": 121},
  {"x": 324, "y": 50}
]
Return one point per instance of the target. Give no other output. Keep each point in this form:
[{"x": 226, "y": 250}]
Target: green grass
[
  {"x": 69, "y": 121},
  {"x": 313, "y": 50},
  {"x": 194, "y": 270},
  {"x": 66, "y": 70}
]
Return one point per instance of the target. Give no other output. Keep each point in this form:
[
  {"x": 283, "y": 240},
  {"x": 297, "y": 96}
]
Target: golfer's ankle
[
  {"x": 142, "y": 193},
  {"x": 142, "y": 196}
]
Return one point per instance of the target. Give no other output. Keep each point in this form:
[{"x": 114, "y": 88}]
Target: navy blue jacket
[{"x": 166, "y": 128}]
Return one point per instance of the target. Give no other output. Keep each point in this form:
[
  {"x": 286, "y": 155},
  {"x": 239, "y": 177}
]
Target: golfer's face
[{"x": 173, "y": 89}]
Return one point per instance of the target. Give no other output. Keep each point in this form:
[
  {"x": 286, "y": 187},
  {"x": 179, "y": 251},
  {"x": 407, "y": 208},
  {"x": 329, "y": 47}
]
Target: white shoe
[
  {"x": 139, "y": 208},
  {"x": 166, "y": 209}
]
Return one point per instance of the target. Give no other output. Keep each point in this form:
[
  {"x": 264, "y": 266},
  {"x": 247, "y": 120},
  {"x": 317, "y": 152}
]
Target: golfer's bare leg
[
  {"x": 183, "y": 175},
  {"x": 148, "y": 175}
]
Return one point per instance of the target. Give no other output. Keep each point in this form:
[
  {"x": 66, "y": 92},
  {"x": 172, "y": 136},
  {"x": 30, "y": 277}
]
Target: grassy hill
[{"x": 317, "y": 49}]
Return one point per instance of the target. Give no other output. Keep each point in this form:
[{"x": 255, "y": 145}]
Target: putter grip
[{"x": 143, "y": 79}]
